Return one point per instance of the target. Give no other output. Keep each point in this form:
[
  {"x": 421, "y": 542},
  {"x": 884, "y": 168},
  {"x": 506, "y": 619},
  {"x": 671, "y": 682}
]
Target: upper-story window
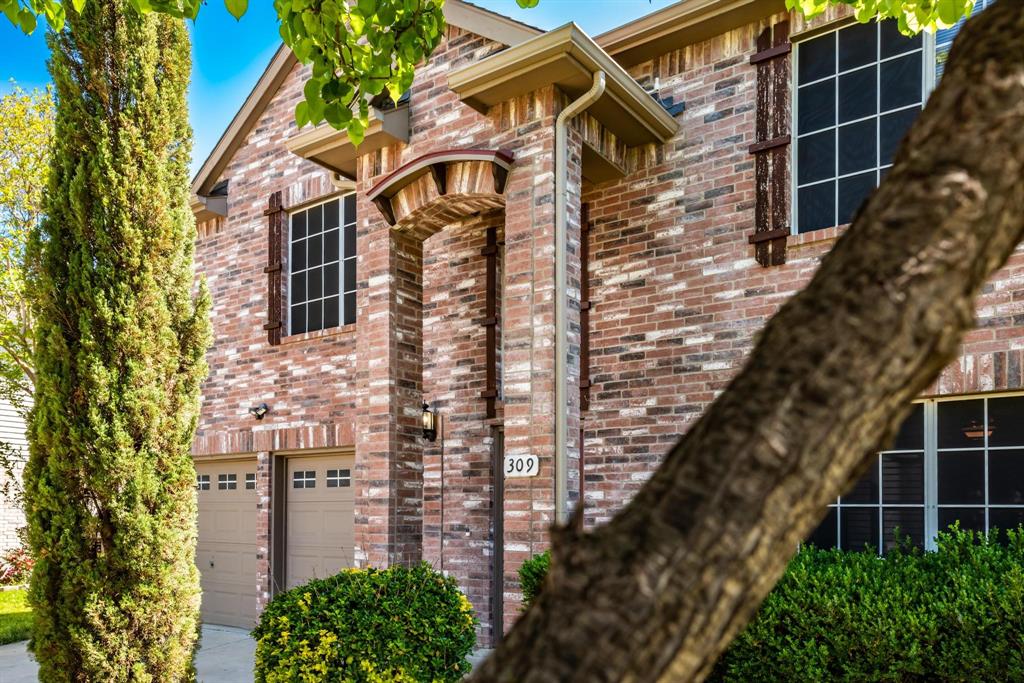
[
  {"x": 858, "y": 90},
  {"x": 322, "y": 266},
  {"x": 944, "y": 38}
]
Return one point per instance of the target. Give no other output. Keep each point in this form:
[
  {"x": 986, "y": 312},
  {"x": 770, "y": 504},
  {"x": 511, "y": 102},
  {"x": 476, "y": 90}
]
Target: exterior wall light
[
  {"x": 259, "y": 411},
  {"x": 429, "y": 424}
]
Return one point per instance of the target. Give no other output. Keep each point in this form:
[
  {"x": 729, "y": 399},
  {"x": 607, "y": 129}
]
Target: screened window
[
  {"x": 337, "y": 478},
  {"x": 203, "y": 482},
  {"x": 858, "y": 90},
  {"x": 322, "y": 266},
  {"x": 304, "y": 479},
  {"x": 227, "y": 482},
  {"x": 957, "y": 460}
]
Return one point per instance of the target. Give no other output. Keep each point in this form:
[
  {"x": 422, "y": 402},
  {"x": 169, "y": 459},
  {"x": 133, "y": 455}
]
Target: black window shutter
[{"x": 275, "y": 214}]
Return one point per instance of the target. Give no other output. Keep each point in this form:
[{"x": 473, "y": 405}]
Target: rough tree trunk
[{"x": 659, "y": 592}]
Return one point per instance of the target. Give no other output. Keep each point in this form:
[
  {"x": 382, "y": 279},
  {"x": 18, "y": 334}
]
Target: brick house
[{"x": 714, "y": 151}]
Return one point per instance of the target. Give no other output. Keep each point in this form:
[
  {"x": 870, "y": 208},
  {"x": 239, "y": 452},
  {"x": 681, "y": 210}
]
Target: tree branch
[{"x": 658, "y": 593}]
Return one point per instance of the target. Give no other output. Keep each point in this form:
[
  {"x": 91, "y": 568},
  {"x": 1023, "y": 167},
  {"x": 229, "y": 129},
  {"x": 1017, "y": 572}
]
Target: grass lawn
[{"x": 15, "y": 617}]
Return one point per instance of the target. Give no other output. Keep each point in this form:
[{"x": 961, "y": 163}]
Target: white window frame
[
  {"x": 341, "y": 478},
  {"x": 931, "y": 471},
  {"x": 227, "y": 482},
  {"x": 202, "y": 482},
  {"x": 250, "y": 481},
  {"x": 927, "y": 85},
  {"x": 343, "y": 262},
  {"x": 305, "y": 479}
]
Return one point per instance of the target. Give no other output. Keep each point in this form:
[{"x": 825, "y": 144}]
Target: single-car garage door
[
  {"x": 226, "y": 551},
  {"x": 319, "y": 517}
]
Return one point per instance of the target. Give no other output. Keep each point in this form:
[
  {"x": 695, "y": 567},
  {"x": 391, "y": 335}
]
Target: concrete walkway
[{"x": 225, "y": 656}]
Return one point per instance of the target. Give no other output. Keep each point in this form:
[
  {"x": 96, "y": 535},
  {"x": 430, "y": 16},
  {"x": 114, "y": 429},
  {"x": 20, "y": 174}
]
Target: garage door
[
  {"x": 226, "y": 552},
  {"x": 319, "y": 517}
]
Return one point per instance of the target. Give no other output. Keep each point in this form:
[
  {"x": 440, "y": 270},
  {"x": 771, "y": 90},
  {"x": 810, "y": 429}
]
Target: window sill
[
  {"x": 816, "y": 236},
  {"x": 343, "y": 330}
]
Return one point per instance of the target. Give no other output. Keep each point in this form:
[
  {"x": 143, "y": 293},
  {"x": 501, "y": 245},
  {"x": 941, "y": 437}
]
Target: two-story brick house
[{"x": 712, "y": 152}]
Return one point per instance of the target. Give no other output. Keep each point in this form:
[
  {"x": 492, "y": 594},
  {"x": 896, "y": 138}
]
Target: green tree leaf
[{"x": 237, "y": 7}]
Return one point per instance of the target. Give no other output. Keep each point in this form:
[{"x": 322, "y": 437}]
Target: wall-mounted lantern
[
  {"x": 429, "y": 423},
  {"x": 259, "y": 411}
]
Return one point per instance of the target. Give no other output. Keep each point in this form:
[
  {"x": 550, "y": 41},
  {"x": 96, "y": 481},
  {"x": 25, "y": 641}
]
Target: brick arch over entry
[{"x": 439, "y": 188}]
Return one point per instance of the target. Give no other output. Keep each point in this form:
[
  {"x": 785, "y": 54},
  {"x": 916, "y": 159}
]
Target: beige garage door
[
  {"x": 319, "y": 517},
  {"x": 226, "y": 552}
]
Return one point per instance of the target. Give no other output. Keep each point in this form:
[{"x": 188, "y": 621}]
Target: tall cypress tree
[{"x": 120, "y": 339}]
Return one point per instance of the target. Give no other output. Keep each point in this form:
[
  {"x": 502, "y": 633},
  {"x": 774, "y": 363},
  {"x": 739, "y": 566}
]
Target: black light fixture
[
  {"x": 429, "y": 424},
  {"x": 259, "y": 411}
]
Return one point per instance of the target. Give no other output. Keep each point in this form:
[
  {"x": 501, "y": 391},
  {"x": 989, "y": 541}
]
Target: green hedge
[
  {"x": 531, "y": 575},
  {"x": 956, "y": 614},
  {"x": 364, "y": 626}
]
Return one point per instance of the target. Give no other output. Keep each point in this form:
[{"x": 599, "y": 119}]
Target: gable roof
[{"x": 458, "y": 13}]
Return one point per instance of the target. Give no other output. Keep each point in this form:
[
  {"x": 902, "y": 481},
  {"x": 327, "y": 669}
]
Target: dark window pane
[
  {"x": 314, "y": 284},
  {"x": 1006, "y": 477},
  {"x": 298, "y": 288},
  {"x": 911, "y": 433},
  {"x": 315, "y": 221},
  {"x": 350, "y": 275},
  {"x": 298, "y": 256},
  {"x": 314, "y": 316},
  {"x": 331, "y": 483},
  {"x": 299, "y": 225},
  {"x": 816, "y": 157},
  {"x": 894, "y": 42},
  {"x": 314, "y": 251},
  {"x": 900, "y": 523},
  {"x": 817, "y": 106},
  {"x": 350, "y": 309},
  {"x": 866, "y": 489},
  {"x": 961, "y": 477},
  {"x": 1005, "y": 518},
  {"x": 332, "y": 246},
  {"x": 1006, "y": 421},
  {"x": 816, "y": 205},
  {"x": 350, "y": 208},
  {"x": 858, "y": 528},
  {"x": 858, "y": 45},
  {"x": 817, "y": 58},
  {"x": 892, "y": 129},
  {"x": 858, "y": 94},
  {"x": 972, "y": 519},
  {"x": 298, "y": 319},
  {"x": 826, "y": 534},
  {"x": 332, "y": 311},
  {"x": 331, "y": 215},
  {"x": 900, "y": 82},
  {"x": 350, "y": 241},
  {"x": 857, "y": 144},
  {"x": 331, "y": 282},
  {"x": 903, "y": 478},
  {"x": 961, "y": 424},
  {"x": 852, "y": 193}
]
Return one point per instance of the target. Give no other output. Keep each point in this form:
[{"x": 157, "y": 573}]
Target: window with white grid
[
  {"x": 338, "y": 478},
  {"x": 227, "y": 482},
  {"x": 304, "y": 479},
  {"x": 250, "y": 481},
  {"x": 858, "y": 90},
  {"x": 322, "y": 266},
  {"x": 203, "y": 482}
]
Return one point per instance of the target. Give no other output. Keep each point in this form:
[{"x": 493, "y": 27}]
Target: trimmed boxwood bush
[
  {"x": 531, "y": 575},
  {"x": 397, "y": 624},
  {"x": 956, "y": 614}
]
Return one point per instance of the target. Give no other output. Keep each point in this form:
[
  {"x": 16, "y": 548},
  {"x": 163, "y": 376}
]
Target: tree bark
[{"x": 660, "y": 591}]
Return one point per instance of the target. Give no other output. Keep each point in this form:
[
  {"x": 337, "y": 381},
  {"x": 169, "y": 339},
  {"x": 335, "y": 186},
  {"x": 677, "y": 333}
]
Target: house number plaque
[{"x": 521, "y": 466}]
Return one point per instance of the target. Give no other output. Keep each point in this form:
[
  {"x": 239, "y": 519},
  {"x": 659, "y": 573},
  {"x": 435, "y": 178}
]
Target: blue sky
[{"x": 229, "y": 56}]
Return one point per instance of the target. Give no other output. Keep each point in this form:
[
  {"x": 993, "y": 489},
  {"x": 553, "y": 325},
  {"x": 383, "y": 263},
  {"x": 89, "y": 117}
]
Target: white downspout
[{"x": 561, "y": 294}]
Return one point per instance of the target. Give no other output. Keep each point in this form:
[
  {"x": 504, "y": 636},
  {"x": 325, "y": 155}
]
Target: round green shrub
[
  {"x": 956, "y": 614},
  {"x": 531, "y": 575},
  {"x": 367, "y": 625}
]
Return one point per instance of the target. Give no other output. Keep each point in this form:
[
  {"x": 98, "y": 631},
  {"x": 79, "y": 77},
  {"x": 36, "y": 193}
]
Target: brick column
[
  {"x": 389, "y": 457},
  {"x": 264, "y": 487}
]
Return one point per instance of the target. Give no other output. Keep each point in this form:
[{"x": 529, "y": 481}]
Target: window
[
  {"x": 336, "y": 478},
  {"x": 858, "y": 91},
  {"x": 304, "y": 479},
  {"x": 954, "y": 460},
  {"x": 322, "y": 266},
  {"x": 250, "y": 481},
  {"x": 944, "y": 38},
  {"x": 202, "y": 482},
  {"x": 227, "y": 482}
]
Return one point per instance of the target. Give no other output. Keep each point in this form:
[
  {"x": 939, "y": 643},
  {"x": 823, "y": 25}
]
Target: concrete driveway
[{"x": 225, "y": 656}]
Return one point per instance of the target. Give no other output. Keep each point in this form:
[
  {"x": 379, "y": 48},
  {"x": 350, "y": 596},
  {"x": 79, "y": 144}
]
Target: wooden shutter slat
[{"x": 275, "y": 214}]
